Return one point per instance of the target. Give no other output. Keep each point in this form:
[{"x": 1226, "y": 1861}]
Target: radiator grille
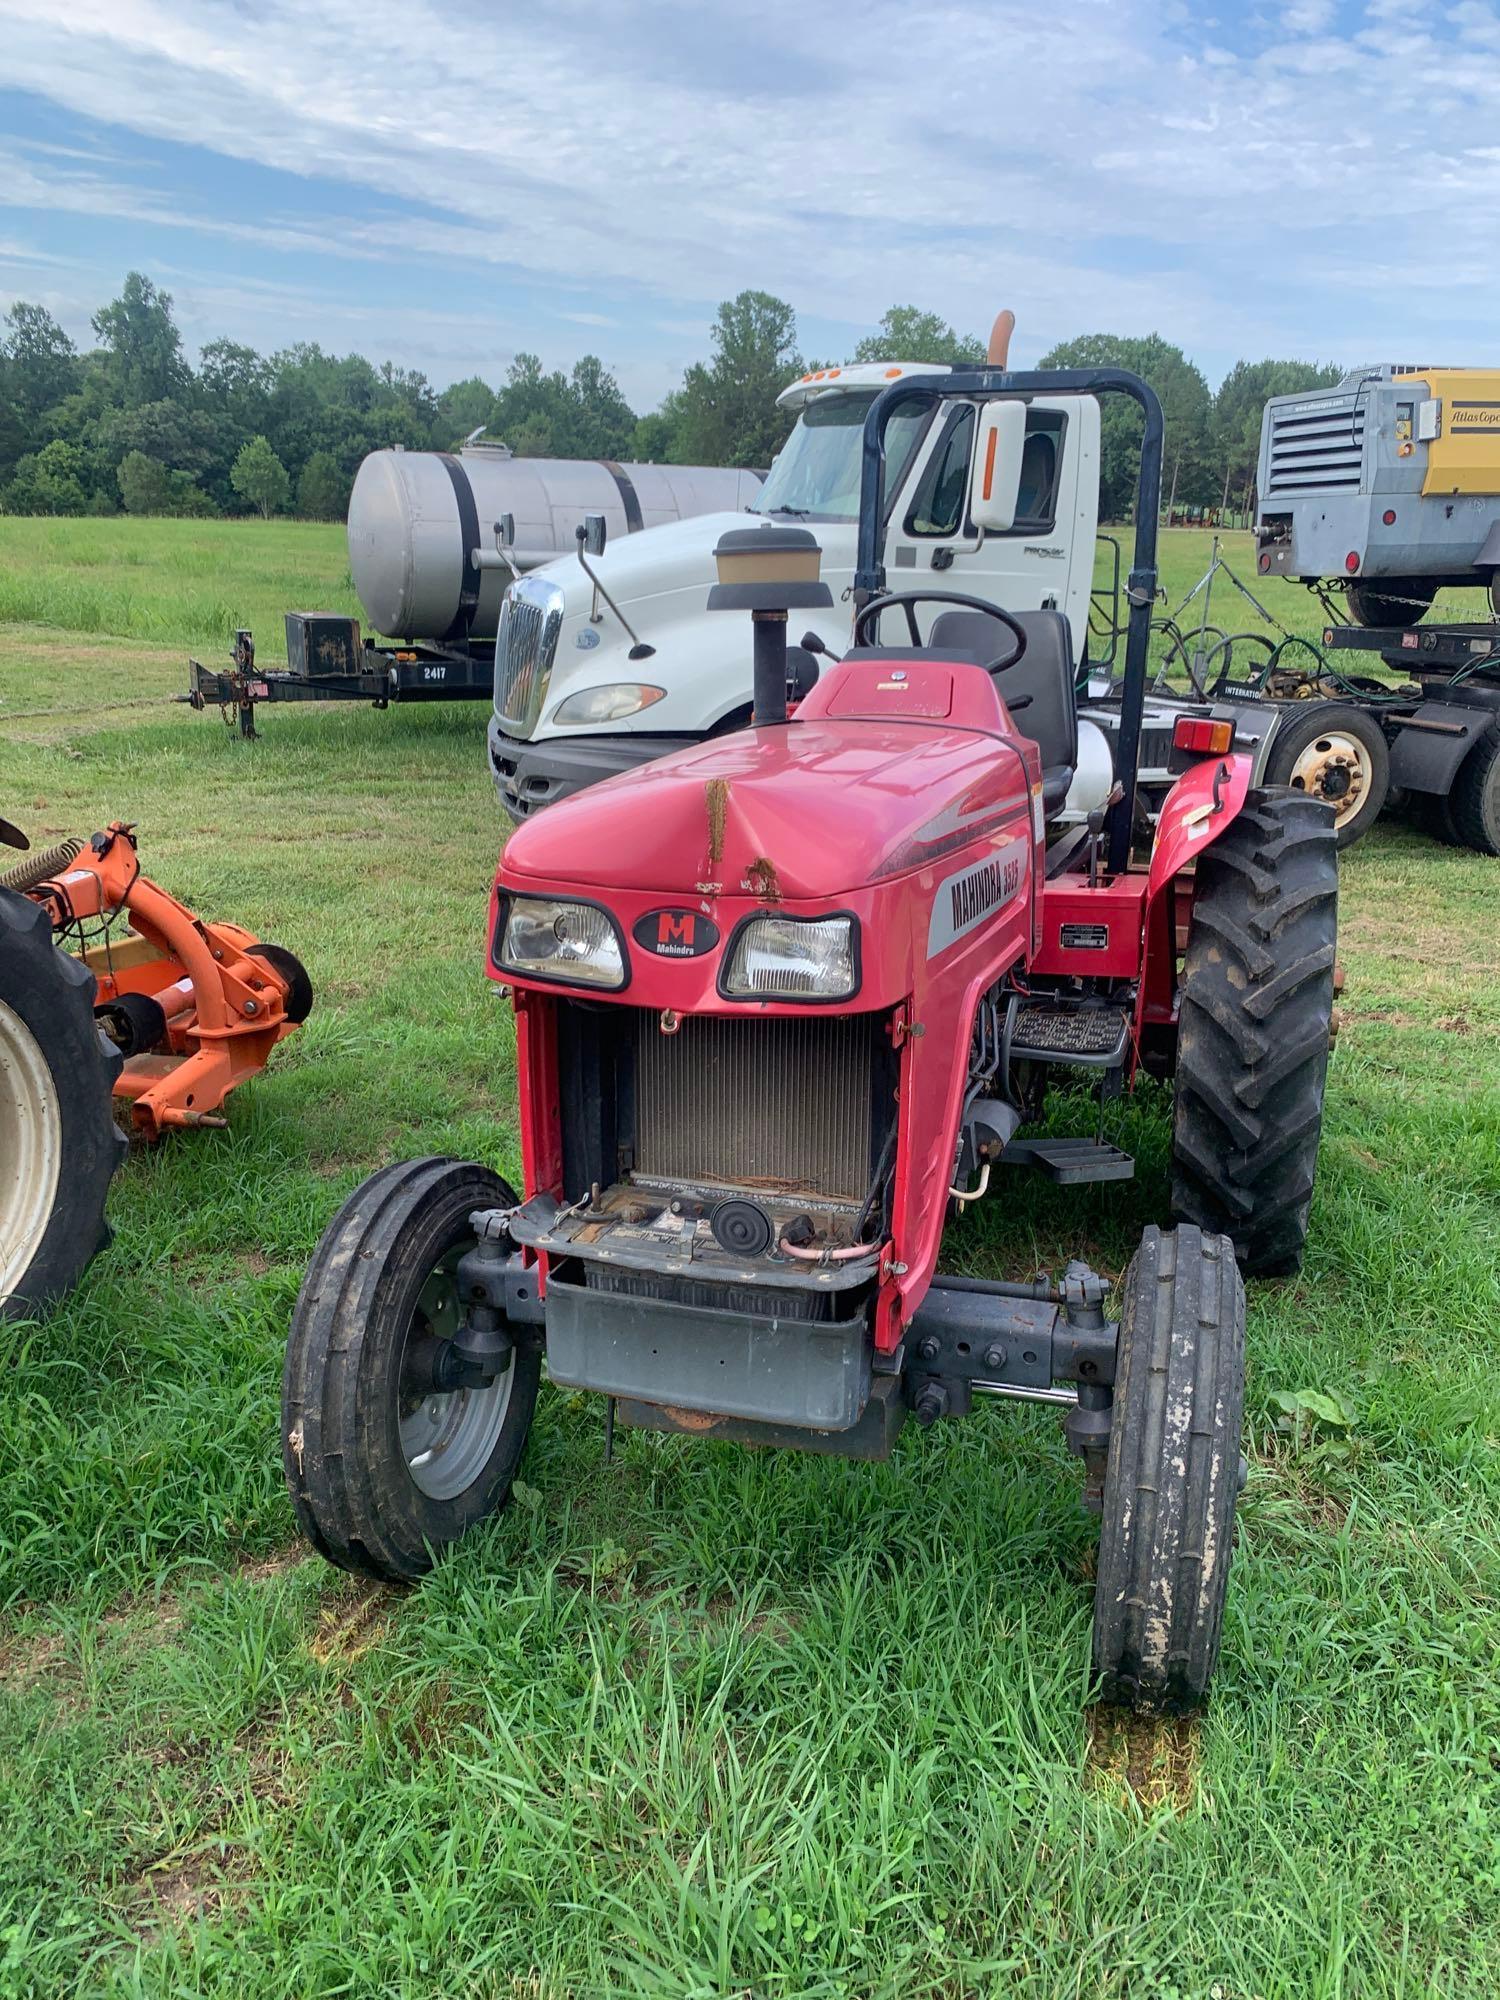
[
  {"x": 778, "y": 1102},
  {"x": 525, "y": 645},
  {"x": 1317, "y": 447}
]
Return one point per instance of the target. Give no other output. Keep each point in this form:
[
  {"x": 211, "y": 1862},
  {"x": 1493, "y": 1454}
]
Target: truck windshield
[{"x": 816, "y": 474}]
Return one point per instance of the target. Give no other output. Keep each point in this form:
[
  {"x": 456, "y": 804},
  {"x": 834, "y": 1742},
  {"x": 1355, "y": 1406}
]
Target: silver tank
[{"x": 415, "y": 518}]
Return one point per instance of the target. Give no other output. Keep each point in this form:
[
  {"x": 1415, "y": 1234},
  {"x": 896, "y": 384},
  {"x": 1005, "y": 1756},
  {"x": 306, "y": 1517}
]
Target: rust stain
[
  {"x": 716, "y": 798},
  {"x": 760, "y": 879},
  {"x": 689, "y": 1420}
]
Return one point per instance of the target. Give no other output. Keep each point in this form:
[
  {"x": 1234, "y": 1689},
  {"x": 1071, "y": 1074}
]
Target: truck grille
[
  {"x": 525, "y": 645},
  {"x": 776, "y": 1104},
  {"x": 1317, "y": 446}
]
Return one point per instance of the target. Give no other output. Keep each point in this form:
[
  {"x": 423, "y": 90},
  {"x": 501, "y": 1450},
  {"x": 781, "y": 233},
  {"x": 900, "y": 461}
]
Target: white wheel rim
[
  {"x": 447, "y": 1438},
  {"x": 30, "y": 1148},
  {"x": 1338, "y": 769}
]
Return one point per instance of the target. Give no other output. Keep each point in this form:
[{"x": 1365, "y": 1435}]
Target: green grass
[{"x": 706, "y": 1722}]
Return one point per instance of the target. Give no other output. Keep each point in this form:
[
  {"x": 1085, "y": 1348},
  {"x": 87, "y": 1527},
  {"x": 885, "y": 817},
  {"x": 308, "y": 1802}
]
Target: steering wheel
[{"x": 867, "y": 621}]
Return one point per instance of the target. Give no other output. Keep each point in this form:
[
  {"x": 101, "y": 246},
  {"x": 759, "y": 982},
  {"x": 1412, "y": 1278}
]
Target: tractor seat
[{"x": 1043, "y": 677}]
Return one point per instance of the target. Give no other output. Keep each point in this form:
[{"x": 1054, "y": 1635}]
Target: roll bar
[{"x": 869, "y": 575}]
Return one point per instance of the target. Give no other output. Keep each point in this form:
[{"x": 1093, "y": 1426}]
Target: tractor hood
[{"x": 806, "y": 812}]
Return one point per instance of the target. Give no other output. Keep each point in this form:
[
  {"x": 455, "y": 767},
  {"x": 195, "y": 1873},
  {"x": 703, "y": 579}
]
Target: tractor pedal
[
  {"x": 1071, "y": 1160},
  {"x": 1095, "y": 1037}
]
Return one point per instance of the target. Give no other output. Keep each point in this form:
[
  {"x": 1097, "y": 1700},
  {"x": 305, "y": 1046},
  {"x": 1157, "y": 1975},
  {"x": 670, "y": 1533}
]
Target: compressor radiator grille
[
  {"x": 1318, "y": 447},
  {"x": 777, "y": 1102},
  {"x": 524, "y": 649}
]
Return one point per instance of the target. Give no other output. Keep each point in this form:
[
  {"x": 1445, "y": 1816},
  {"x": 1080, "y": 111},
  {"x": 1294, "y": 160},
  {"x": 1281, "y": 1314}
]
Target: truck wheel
[
  {"x": 1393, "y": 601},
  {"x": 59, "y": 1145},
  {"x": 1474, "y": 802},
  {"x": 1256, "y": 996},
  {"x": 1174, "y": 1472},
  {"x": 1337, "y": 754},
  {"x": 385, "y": 1470}
]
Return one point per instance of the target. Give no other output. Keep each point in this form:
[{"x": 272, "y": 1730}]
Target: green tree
[
  {"x": 908, "y": 334},
  {"x": 1187, "y": 410},
  {"x": 1241, "y": 398},
  {"x": 145, "y": 484},
  {"x": 260, "y": 478},
  {"x": 41, "y": 363},
  {"x": 728, "y": 413},
  {"x": 49, "y": 482},
  {"x": 465, "y": 407},
  {"x": 142, "y": 341},
  {"x": 322, "y": 490}
]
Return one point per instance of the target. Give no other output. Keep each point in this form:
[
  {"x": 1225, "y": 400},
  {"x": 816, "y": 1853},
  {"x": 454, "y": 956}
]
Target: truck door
[{"x": 932, "y": 545}]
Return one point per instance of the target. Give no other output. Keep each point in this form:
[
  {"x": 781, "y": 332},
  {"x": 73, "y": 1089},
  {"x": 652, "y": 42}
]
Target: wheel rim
[
  {"x": 30, "y": 1148},
  {"x": 1338, "y": 769},
  {"x": 447, "y": 1437}
]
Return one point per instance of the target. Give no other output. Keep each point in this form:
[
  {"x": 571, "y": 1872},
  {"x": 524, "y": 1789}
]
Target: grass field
[{"x": 704, "y": 1722}]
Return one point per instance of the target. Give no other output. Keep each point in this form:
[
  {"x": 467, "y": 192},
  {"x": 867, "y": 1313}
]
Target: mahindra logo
[{"x": 676, "y": 933}]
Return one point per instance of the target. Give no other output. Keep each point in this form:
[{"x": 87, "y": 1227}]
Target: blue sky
[{"x": 443, "y": 184}]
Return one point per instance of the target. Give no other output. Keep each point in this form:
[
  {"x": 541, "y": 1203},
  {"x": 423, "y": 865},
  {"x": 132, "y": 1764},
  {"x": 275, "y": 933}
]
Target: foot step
[
  {"x": 1094, "y": 1036},
  {"x": 1070, "y": 1160}
]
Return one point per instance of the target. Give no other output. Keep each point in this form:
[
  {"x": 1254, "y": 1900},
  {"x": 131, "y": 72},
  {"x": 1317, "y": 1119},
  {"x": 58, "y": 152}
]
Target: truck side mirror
[
  {"x": 995, "y": 483},
  {"x": 593, "y": 534}
]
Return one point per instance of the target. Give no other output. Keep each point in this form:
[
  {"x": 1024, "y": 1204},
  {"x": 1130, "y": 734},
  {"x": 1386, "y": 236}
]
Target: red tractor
[{"x": 782, "y": 1001}]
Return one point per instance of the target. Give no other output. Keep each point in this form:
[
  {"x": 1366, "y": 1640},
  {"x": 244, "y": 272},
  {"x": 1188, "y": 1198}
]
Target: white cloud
[{"x": 1087, "y": 164}]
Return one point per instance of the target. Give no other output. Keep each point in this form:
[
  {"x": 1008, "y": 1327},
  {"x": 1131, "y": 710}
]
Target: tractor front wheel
[
  {"x": 386, "y": 1459},
  {"x": 59, "y": 1144},
  {"x": 1174, "y": 1472},
  {"x": 1256, "y": 1009}
]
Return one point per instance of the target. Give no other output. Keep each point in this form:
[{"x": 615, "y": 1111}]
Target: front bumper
[{"x": 529, "y": 775}]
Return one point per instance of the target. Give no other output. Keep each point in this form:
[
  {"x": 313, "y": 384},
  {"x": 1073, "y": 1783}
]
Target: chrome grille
[
  {"x": 778, "y": 1103},
  {"x": 525, "y": 646},
  {"x": 1316, "y": 447}
]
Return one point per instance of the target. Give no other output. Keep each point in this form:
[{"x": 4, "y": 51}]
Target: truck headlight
[
  {"x": 608, "y": 704},
  {"x": 543, "y": 939},
  {"x": 792, "y": 958}
]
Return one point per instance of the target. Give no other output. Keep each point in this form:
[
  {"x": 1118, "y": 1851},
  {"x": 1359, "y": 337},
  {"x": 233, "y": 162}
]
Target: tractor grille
[
  {"x": 1317, "y": 446},
  {"x": 777, "y": 1103},
  {"x": 524, "y": 649}
]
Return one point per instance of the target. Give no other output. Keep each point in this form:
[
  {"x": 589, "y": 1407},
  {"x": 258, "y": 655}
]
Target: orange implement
[{"x": 195, "y": 1007}]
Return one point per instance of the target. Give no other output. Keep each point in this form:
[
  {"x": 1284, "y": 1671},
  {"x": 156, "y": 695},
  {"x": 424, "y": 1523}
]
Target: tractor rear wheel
[
  {"x": 1256, "y": 1011},
  {"x": 1174, "y": 1472},
  {"x": 1474, "y": 802},
  {"x": 385, "y": 1464},
  {"x": 59, "y": 1145}
]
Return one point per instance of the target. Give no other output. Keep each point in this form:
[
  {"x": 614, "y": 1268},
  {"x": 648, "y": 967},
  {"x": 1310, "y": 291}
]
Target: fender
[{"x": 1205, "y": 800}]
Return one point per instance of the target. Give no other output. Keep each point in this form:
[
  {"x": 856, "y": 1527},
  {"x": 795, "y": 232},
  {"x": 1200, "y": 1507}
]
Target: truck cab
[{"x": 604, "y": 662}]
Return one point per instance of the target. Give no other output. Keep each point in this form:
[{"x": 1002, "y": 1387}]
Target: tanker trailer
[{"x": 435, "y": 541}]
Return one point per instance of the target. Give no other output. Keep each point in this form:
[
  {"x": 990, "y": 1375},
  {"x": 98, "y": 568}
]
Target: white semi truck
[{"x": 605, "y": 661}]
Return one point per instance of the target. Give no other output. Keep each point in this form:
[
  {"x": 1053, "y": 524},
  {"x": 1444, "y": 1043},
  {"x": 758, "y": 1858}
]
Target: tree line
[{"x": 130, "y": 426}]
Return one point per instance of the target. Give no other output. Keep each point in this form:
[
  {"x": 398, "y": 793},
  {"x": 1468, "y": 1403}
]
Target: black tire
[
  {"x": 299, "y": 998},
  {"x": 48, "y": 1032},
  {"x": 1174, "y": 1472},
  {"x": 1432, "y": 813},
  {"x": 1392, "y": 601},
  {"x": 1474, "y": 802},
  {"x": 1252, "y": 1047},
  {"x": 357, "y": 1499},
  {"x": 1345, "y": 761}
]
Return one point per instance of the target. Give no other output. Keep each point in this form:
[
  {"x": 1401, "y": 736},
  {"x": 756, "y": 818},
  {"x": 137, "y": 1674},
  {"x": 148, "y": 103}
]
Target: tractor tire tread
[
  {"x": 1253, "y": 1036},
  {"x": 1173, "y": 1472},
  {"x": 53, "y": 994}
]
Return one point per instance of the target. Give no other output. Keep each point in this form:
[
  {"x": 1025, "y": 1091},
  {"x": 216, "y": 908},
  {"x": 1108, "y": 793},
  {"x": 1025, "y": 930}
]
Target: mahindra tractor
[{"x": 784, "y": 1001}]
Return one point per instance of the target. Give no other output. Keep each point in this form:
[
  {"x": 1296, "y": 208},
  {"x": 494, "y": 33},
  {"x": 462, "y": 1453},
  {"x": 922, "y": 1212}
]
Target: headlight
[
  {"x": 608, "y": 704},
  {"x": 551, "y": 940},
  {"x": 793, "y": 958}
]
